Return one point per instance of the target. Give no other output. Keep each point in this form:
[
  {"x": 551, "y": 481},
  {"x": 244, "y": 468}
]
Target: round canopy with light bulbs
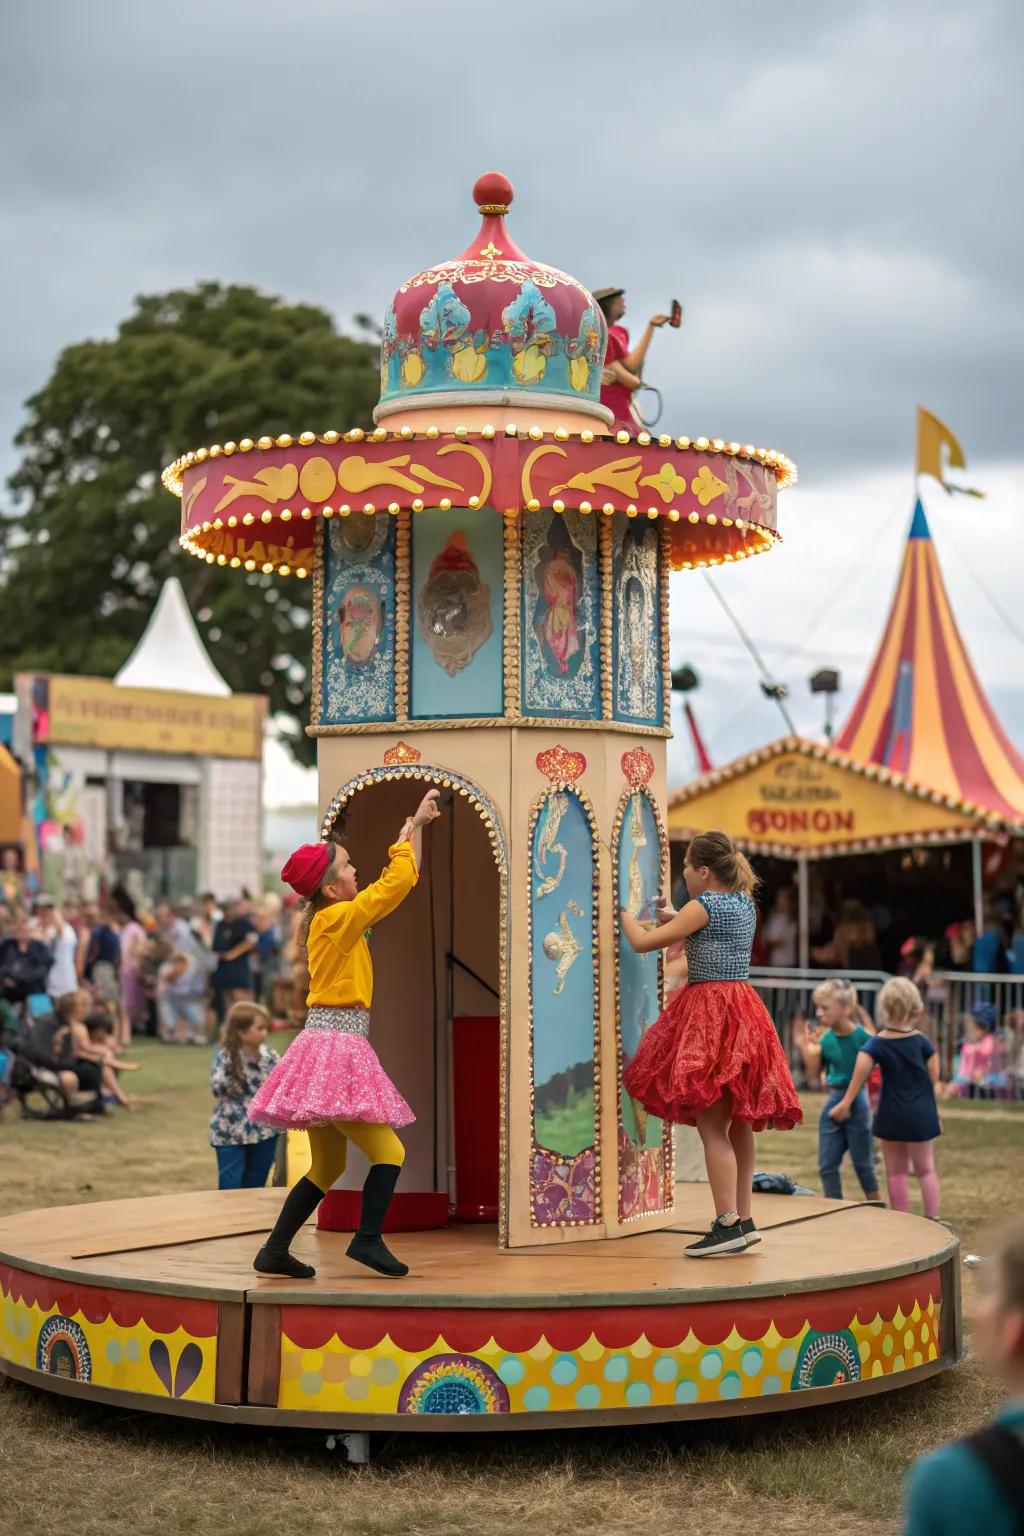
[{"x": 490, "y": 382}]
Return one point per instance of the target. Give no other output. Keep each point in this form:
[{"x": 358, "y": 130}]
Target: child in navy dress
[
  {"x": 713, "y": 1059},
  {"x": 907, "y": 1119},
  {"x": 245, "y": 1152}
]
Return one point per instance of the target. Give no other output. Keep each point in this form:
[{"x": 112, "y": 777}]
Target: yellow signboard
[
  {"x": 93, "y": 712},
  {"x": 806, "y": 802}
]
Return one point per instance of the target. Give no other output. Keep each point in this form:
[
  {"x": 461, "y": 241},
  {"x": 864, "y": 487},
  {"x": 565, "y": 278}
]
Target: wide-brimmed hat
[{"x": 600, "y": 294}]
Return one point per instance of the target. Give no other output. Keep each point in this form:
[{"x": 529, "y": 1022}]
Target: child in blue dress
[
  {"x": 907, "y": 1119},
  {"x": 245, "y": 1152}
]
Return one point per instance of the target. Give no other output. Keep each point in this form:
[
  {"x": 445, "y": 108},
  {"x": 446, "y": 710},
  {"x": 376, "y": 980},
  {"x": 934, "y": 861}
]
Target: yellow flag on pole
[{"x": 938, "y": 450}]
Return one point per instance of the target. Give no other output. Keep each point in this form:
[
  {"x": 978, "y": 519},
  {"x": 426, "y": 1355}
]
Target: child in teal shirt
[{"x": 832, "y": 1050}]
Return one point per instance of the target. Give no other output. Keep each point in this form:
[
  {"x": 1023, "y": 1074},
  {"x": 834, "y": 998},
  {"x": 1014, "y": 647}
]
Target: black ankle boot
[
  {"x": 368, "y": 1247},
  {"x": 274, "y": 1258}
]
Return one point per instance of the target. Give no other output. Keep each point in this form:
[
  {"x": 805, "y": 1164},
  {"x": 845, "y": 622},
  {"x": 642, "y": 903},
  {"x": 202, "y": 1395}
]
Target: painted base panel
[{"x": 153, "y": 1302}]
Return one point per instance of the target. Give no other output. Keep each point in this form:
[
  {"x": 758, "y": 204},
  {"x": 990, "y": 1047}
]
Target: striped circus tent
[{"x": 922, "y": 712}]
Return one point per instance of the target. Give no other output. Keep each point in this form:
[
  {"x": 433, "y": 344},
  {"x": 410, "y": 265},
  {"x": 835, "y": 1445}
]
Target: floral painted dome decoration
[{"x": 493, "y": 327}]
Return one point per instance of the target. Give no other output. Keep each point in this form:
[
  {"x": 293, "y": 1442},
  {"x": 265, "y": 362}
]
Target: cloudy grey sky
[{"x": 832, "y": 190}]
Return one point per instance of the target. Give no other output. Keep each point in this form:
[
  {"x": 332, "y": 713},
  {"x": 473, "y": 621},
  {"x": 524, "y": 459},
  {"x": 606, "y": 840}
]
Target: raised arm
[
  {"x": 634, "y": 360},
  {"x": 862, "y": 1069},
  {"x": 809, "y": 1047},
  {"x": 644, "y": 940},
  {"x": 343, "y": 922}
]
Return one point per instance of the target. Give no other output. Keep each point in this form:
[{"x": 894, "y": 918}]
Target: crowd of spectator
[{"x": 79, "y": 980}]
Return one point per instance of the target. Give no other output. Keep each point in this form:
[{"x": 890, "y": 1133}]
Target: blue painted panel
[
  {"x": 639, "y": 880},
  {"x": 358, "y": 618},
  {"x": 457, "y": 609},
  {"x": 562, "y": 948},
  {"x": 636, "y": 631},
  {"x": 561, "y": 616}
]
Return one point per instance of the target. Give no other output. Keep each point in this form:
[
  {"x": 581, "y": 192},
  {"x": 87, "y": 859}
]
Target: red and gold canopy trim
[{"x": 259, "y": 510}]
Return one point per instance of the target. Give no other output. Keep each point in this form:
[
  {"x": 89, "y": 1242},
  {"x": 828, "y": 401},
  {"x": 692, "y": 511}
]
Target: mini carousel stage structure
[{"x": 490, "y": 614}]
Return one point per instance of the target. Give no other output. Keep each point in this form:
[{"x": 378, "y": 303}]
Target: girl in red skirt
[{"x": 713, "y": 1059}]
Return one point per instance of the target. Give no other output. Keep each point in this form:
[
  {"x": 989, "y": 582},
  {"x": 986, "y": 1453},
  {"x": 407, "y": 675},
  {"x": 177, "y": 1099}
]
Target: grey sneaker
[{"x": 749, "y": 1231}]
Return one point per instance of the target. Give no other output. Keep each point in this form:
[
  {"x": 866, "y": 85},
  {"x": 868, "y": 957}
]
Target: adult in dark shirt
[
  {"x": 25, "y": 962},
  {"x": 234, "y": 940}
]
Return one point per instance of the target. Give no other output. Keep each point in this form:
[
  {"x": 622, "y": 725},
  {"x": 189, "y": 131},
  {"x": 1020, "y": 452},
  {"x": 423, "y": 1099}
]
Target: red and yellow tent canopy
[
  {"x": 922, "y": 758},
  {"x": 922, "y": 711}
]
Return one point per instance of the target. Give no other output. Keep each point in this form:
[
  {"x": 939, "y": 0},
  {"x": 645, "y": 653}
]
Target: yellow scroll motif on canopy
[
  {"x": 667, "y": 482},
  {"x": 357, "y": 474},
  {"x": 273, "y": 483},
  {"x": 620, "y": 475},
  {"x": 706, "y": 486}
]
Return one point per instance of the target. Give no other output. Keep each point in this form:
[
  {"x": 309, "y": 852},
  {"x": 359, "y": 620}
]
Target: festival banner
[{"x": 94, "y": 712}]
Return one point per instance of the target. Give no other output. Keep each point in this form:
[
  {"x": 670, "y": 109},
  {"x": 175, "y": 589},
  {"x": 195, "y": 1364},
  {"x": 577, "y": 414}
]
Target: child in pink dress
[{"x": 329, "y": 1081}]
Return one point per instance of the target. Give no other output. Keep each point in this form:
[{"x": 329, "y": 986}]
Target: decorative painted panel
[
  {"x": 561, "y": 616},
  {"x": 563, "y": 943},
  {"x": 358, "y": 678},
  {"x": 410, "y": 1360},
  {"x": 636, "y": 605},
  {"x": 644, "y": 1141},
  {"x": 161, "y": 1346},
  {"x": 456, "y": 621}
]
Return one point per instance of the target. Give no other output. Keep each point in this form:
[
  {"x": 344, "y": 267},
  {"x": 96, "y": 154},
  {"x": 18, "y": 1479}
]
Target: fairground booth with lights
[{"x": 918, "y": 805}]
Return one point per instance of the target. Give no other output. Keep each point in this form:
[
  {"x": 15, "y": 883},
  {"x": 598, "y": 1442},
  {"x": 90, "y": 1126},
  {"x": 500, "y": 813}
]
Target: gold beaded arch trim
[
  {"x": 636, "y": 784},
  {"x": 568, "y": 786}
]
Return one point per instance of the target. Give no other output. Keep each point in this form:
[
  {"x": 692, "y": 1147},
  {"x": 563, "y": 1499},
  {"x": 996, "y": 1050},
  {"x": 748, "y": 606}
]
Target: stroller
[{"x": 31, "y": 1061}]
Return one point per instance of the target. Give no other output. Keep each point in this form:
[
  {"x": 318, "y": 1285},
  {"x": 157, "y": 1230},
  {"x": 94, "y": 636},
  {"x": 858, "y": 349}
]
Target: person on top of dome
[{"x": 622, "y": 366}]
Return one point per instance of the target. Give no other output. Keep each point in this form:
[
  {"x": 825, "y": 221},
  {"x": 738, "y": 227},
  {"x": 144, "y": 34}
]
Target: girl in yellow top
[{"x": 329, "y": 1081}]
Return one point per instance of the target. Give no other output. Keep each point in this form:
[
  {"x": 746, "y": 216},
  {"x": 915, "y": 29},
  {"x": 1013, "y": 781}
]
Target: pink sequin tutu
[{"x": 330, "y": 1072}]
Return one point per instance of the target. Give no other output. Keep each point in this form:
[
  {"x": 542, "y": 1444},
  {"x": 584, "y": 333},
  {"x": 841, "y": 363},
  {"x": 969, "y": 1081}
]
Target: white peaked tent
[{"x": 171, "y": 654}]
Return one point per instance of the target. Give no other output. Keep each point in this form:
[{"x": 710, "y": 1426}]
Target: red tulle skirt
[{"x": 715, "y": 1038}]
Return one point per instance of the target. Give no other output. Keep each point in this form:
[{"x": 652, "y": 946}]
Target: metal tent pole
[{"x": 803, "y": 913}]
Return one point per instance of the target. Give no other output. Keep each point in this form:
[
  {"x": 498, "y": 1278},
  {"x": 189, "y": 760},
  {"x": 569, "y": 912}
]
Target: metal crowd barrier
[{"x": 788, "y": 994}]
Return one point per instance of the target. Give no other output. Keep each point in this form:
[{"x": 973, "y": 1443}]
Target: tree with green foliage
[{"x": 94, "y": 535}]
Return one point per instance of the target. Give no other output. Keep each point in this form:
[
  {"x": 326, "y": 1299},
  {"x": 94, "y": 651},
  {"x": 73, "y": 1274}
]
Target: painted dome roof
[{"x": 492, "y": 327}]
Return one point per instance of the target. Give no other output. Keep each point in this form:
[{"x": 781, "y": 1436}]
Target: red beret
[{"x": 306, "y": 868}]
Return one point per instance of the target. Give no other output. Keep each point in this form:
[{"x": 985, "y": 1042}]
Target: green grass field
[{"x": 71, "y": 1467}]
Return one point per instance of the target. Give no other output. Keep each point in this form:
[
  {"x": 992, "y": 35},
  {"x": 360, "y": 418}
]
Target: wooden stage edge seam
[
  {"x": 526, "y": 1249},
  {"x": 841, "y": 1207},
  {"x": 397, "y": 1296},
  {"x": 426, "y": 1423}
]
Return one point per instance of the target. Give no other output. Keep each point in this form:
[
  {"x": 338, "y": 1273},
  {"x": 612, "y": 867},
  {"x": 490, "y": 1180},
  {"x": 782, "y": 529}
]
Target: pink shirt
[{"x": 616, "y": 396}]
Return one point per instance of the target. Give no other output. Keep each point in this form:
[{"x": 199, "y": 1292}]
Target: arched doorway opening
[{"x": 440, "y": 972}]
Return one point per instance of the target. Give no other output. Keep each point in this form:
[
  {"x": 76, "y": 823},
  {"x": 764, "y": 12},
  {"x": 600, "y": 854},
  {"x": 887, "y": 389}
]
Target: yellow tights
[{"x": 329, "y": 1147}]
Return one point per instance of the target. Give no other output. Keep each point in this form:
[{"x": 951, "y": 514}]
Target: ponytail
[{"x": 731, "y": 868}]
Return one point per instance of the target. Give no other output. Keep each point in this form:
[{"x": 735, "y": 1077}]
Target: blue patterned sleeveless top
[{"x": 720, "y": 951}]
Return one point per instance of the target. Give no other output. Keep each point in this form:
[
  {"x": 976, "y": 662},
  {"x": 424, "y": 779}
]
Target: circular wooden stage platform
[{"x": 153, "y": 1303}]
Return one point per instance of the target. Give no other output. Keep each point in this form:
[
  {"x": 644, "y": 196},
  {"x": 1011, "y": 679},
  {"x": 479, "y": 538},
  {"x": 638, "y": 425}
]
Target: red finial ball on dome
[{"x": 493, "y": 192}]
